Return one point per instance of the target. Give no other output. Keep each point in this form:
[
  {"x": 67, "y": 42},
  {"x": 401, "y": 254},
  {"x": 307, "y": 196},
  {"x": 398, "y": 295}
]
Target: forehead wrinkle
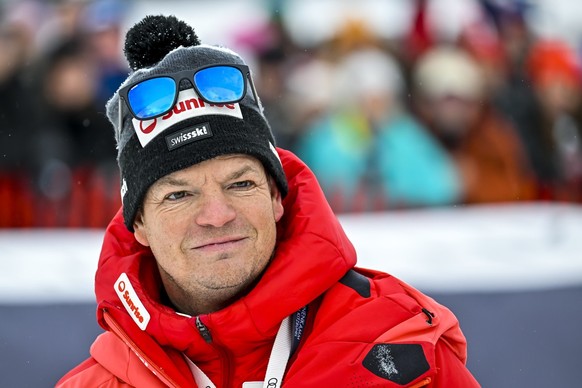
[{"x": 170, "y": 180}]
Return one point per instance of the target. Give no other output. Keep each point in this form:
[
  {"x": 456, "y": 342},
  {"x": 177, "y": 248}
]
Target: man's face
[{"x": 211, "y": 228}]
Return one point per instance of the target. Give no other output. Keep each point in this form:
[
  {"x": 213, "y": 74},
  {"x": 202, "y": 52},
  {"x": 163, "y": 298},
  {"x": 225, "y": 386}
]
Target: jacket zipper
[
  {"x": 204, "y": 332},
  {"x": 142, "y": 356},
  {"x": 224, "y": 354}
]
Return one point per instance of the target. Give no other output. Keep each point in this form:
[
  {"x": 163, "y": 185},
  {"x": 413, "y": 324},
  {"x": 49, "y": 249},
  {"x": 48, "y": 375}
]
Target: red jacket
[{"x": 363, "y": 328}]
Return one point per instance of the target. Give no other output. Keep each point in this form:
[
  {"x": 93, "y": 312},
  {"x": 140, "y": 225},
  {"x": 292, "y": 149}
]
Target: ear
[
  {"x": 277, "y": 201},
  {"x": 140, "y": 229}
]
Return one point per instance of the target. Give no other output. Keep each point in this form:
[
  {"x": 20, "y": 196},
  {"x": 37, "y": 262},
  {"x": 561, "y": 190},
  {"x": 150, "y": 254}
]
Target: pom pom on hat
[{"x": 149, "y": 41}]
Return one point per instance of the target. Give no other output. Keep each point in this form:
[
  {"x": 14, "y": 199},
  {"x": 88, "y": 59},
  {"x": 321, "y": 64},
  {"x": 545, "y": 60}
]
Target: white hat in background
[{"x": 449, "y": 71}]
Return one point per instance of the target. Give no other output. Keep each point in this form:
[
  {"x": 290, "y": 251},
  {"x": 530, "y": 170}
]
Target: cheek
[
  {"x": 269, "y": 228},
  {"x": 164, "y": 230}
]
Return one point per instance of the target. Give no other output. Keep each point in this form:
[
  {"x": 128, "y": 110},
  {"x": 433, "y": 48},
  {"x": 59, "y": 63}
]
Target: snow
[
  {"x": 484, "y": 248},
  {"x": 462, "y": 249},
  {"x": 44, "y": 265}
]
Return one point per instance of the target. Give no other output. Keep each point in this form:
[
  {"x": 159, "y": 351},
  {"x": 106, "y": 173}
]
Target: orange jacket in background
[{"x": 493, "y": 163}]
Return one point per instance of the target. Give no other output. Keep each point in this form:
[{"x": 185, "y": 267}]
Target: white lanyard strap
[
  {"x": 275, "y": 368},
  {"x": 279, "y": 356},
  {"x": 202, "y": 381}
]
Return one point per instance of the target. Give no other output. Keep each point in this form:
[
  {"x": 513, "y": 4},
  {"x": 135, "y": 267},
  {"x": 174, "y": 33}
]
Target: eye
[
  {"x": 176, "y": 196},
  {"x": 242, "y": 185}
]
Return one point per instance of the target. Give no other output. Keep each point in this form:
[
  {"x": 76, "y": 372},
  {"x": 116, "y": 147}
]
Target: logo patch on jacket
[
  {"x": 131, "y": 302},
  {"x": 399, "y": 363}
]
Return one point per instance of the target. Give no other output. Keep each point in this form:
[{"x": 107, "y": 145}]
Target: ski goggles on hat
[{"x": 215, "y": 84}]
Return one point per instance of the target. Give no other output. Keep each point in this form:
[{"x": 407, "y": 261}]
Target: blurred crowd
[{"x": 493, "y": 114}]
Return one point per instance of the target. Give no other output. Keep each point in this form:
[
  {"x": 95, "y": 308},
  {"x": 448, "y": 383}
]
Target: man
[
  {"x": 226, "y": 267},
  {"x": 453, "y": 101}
]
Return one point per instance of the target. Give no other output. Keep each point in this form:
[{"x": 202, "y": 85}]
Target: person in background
[
  {"x": 75, "y": 149},
  {"x": 16, "y": 127},
  {"x": 101, "y": 28},
  {"x": 367, "y": 151},
  {"x": 535, "y": 82},
  {"x": 272, "y": 63},
  {"x": 225, "y": 266},
  {"x": 450, "y": 97},
  {"x": 556, "y": 75}
]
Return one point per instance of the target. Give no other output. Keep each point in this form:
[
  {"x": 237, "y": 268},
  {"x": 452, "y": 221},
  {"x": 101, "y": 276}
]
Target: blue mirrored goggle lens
[
  {"x": 152, "y": 97},
  {"x": 220, "y": 84}
]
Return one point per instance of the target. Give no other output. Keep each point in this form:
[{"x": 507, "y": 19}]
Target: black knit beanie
[{"x": 193, "y": 131}]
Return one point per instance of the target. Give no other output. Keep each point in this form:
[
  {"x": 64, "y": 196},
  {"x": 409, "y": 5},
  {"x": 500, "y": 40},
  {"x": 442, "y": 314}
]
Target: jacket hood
[{"x": 311, "y": 255}]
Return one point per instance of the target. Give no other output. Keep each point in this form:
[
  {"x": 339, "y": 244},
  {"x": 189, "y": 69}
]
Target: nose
[{"x": 215, "y": 210}]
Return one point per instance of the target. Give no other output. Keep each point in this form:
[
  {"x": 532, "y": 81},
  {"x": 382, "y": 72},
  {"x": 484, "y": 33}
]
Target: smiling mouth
[{"x": 220, "y": 245}]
